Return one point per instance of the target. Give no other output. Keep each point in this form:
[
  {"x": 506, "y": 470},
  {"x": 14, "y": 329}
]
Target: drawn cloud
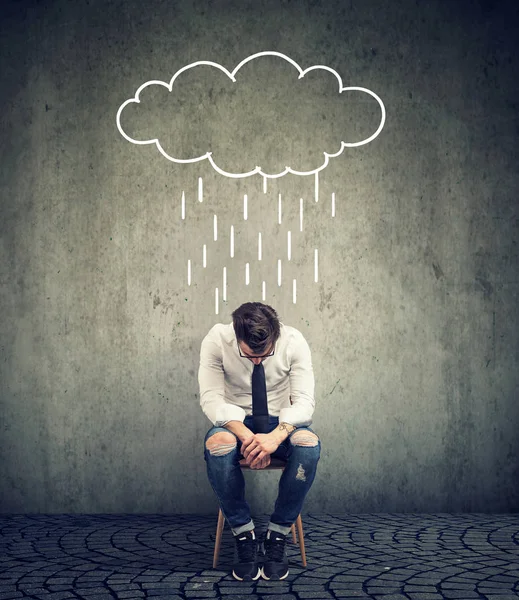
[{"x": 206, "y": 112}]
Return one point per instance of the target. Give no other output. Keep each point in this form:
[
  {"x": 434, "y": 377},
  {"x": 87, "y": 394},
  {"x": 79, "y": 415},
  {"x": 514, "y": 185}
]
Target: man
[{"x": 257, "y": 388}]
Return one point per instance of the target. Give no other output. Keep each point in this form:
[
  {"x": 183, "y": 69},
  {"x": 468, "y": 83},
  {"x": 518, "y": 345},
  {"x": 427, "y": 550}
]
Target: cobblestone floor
[{"x": 379, "y": 556}]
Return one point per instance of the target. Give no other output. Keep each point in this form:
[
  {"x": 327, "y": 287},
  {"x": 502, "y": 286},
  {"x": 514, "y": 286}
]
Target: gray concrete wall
[{"x": 413, "y": 323}]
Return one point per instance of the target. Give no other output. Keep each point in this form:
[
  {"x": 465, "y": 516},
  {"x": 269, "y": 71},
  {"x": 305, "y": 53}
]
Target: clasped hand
[{"x": 257, "y": 450}]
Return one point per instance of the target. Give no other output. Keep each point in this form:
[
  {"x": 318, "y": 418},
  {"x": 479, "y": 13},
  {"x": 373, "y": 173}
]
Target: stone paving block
[
  {"x": 264, "y": 585},
  {"x": 235, "y": 596},
  {"x": 346, "y": 585},
  {"x": 198, "y": 586},
  {"x": 161, "y": 592},
  {"x": 162, "y": 585},
  {"x": 457, "y": 586},
  {"x": 61, "y": 596},
  {"x": 491, "y": 571},
  {"x": 315, "y": 595},
  {"x": 351, "y": 597},
  {"x": 459, "y": 594},
  {"x": 231, "y": 593},
  {"x": 374, "y": 590},
  {"x": 475, "y": 575},
  {"x": 508, "y": 577},
  {"x": 93, "y": 597},
  {"x": 495, "y": 591},
  {"x": 88, "y": 592},
  {"x": 123, "y": 587},
  {"x": 492, "y": 583}
]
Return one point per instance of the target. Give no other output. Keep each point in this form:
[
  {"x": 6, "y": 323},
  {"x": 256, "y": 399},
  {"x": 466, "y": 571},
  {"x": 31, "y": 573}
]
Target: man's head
[{"x": 256, "y": 326}]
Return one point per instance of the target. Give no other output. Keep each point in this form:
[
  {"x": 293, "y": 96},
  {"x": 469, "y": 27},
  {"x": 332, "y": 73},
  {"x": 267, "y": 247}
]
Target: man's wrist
[{"x": 283, "y": 430}]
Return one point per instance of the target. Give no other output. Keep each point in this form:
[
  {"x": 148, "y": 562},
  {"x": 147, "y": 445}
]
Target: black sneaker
[
  {"x": 275, "y": 564},
  {"x": 246, "y": 567}
]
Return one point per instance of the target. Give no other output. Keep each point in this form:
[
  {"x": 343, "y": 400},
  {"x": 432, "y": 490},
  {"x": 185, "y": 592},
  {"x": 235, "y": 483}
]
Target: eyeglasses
[{"x": 262, "y": 356}]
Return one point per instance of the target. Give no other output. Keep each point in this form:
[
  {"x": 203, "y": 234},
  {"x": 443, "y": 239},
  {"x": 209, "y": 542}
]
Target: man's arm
[
  {"x": 302, "y": 384},
  {"x": 212, "y": 385},
  {"x": 240, "y": 430}
]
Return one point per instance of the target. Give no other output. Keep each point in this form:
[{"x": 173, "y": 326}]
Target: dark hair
[{"x": 257, "y": 325}]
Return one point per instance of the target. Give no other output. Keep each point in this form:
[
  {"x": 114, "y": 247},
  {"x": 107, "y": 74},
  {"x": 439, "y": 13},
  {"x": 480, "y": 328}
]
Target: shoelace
[
  {"x": 275, "y": 548},
  {"x": 247, "y": 549}
]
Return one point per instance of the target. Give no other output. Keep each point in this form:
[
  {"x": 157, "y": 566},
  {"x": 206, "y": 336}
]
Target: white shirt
[{"x": 225, "y": 378}]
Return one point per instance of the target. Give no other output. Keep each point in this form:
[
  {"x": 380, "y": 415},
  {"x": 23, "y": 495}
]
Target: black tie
[{"x": 260, "y": 411}]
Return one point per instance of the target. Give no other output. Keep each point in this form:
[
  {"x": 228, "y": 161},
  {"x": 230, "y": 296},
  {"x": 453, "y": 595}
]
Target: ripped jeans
[{"x": 228, "y": 483}]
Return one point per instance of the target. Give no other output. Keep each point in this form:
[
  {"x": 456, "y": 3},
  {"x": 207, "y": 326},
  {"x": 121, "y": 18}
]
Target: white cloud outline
[{"x": 232, "y": 76}]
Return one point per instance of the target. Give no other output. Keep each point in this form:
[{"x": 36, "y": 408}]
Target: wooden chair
[{"x": 275, "y": 465}]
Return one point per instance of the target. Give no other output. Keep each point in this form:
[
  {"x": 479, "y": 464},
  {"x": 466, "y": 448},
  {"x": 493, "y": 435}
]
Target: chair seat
[{"x": 275, "y": 463}]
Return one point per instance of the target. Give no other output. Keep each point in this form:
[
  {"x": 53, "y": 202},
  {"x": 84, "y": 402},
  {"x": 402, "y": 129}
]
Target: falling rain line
[
  {"x": 259, "y": 246},
  {"x": 215, "y": 228},
  {"x": 224, "y": 290},
  {"x": 279, "y": 209},
  {"x": 188, "y": 272},
  {"x": 216, "y": 300},
  {"x": 247, "y": 274},
  {"x": 289, "y": 244},
  {"x": 300, "y": 214},
  {"x": 200, "y": 190},
  {"x": 316, "y": 265},
  {"x": 333, "y": 204},
  {"x": 263, "y": 291},
  {"x": 317, "y": 187},
  {"x": 183, "y": 205},
  {"x": 264, "y": 185},
  {"x": 294, "y": 291},
  {"x": 245, "y": 207},
  {"x": 204, "y": 256},
  {"x": 279, "y": 272},
  {"x": 232, "y": 241}
]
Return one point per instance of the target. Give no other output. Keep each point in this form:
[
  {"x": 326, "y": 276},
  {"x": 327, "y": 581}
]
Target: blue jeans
[{"x": 226, "y": 479}]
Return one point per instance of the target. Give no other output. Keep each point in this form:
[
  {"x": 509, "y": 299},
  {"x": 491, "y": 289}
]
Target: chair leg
[
  {"x": 218, "y": 539},
  {"x": 299, "y": 525},
  {"x": 293, "y": 528}
]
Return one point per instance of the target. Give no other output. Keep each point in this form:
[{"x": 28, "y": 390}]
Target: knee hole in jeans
[
  {"x": 304, "y": 438},
  {"x": 221, "y": 443}
]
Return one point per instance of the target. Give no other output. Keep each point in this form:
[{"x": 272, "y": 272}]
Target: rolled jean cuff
[
  {"x": 243, "y": 528},
  {"x": 279, "y": 528}
]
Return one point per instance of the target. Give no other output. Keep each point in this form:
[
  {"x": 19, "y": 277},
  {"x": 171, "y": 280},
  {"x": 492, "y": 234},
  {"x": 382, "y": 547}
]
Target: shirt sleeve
[
  {"x": 301, "y": 384},
  {"x": 212, "y": 385}
]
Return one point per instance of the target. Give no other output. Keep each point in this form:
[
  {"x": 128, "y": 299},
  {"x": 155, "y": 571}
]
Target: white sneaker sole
[
  {"x": 268, "y": 578},
  {"x": 258, "y": 575}
]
